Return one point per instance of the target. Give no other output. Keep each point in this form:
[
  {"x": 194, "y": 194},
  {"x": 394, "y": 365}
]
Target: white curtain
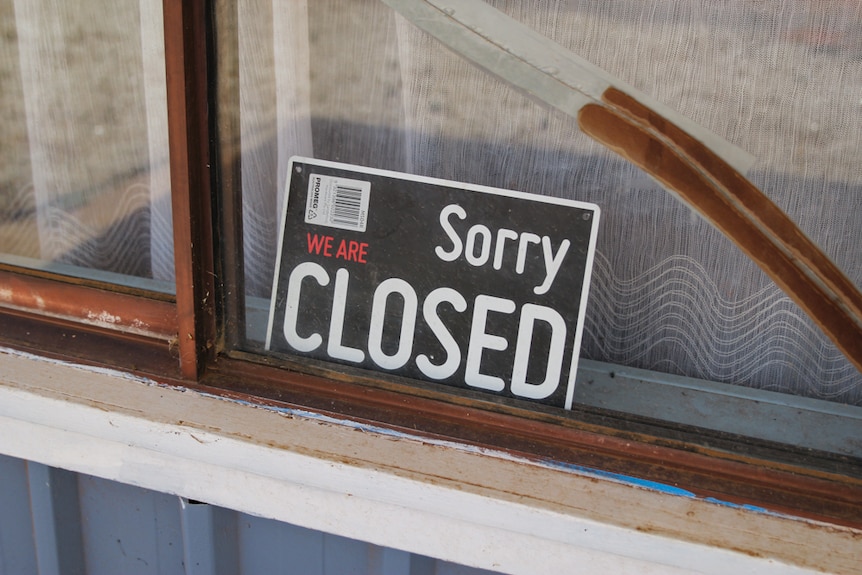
[
  {"x": 275, "y": 120},
  {"x": 85, "y": 163},
  {"x": 352, "y": 81}
]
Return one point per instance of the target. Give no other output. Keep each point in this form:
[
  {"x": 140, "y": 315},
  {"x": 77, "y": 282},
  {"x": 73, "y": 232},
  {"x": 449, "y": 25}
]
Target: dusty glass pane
[
  {"x": 354, "y": 82},
  {"x": 84, "y": 181}
]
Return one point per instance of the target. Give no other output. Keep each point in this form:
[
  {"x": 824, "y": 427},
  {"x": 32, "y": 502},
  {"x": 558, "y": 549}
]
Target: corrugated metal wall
[{"x": 56, "y": 521}]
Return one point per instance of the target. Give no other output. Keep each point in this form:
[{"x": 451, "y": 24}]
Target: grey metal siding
[{"x": 56, "y": 521}]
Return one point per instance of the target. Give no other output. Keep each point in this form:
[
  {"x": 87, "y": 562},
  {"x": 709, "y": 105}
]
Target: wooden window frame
[{"x": 184, "y": 345}]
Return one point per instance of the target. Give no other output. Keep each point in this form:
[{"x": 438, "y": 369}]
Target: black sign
[{"x": 458, "y": 284}]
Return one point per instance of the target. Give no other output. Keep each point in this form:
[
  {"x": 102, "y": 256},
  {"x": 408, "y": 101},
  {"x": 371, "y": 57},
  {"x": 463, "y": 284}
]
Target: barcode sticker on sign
[{"x": 337, "y": 202}]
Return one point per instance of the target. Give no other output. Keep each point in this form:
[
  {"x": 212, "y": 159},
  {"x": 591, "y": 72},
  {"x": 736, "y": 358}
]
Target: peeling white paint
[
  {"x": 441, "y": 499},
  {"x": 104, "y": 317}
]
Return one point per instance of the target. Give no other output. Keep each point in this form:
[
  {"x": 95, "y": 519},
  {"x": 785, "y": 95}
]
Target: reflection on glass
[
  {"x": 353, "y": 82},
  {"x": 84, "y": 181}
]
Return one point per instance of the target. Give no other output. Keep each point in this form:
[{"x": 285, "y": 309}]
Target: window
[
  {"x": 86, "y": 240},
  {"x": 85, "y": 169},
  {"x": 356, "y": 82}
]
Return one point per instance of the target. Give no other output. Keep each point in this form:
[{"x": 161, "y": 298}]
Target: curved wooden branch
[
  {"x": 737, "y": 208},
  {"x": 698, "y": 166}
]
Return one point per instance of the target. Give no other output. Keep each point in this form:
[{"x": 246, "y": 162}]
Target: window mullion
[{"x": 185, "y": 60}]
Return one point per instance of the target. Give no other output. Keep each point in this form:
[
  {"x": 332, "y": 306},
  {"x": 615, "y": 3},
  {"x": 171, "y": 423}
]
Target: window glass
[
  {"x": 84, "y": 155},
  {"x": 355, "y": 82}
]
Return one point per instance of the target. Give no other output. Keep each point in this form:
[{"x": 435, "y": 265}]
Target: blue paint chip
[
  {"x": 618, "y": 477},
  {"x": 644, "y": 483},
  {"x": 743, "y": 506}
]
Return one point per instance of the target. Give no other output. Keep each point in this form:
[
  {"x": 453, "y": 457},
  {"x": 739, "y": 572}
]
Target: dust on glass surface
[
  {"x": 356, "y": 83},
  {"x": 83, "y": 156}
]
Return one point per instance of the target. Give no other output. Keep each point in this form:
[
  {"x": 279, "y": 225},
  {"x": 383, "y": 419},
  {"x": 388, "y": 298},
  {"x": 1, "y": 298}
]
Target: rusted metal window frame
[{"x": 184, "y": 347}]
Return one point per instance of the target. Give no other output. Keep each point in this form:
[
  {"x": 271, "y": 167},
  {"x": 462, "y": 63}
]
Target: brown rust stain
[
  {"x": 710, "y": 185},
  {"x": 744, "y": 191}
]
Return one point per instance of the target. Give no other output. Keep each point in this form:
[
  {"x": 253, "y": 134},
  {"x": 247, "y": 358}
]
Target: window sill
[{"x": 449, "y": 500}]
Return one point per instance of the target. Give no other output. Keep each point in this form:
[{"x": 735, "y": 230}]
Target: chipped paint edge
[
  {"x": 131, "y": 434},
  {"x": 581, "y": 470}
]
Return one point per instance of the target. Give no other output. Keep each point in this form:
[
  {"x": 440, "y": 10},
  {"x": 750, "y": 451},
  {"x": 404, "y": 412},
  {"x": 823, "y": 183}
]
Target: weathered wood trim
[
  {"x": 452, "y": 500},
  {"x": 100, "y": 308},
  {"x": 730, "y": 468},
  {"x": 186, "y": 43}
]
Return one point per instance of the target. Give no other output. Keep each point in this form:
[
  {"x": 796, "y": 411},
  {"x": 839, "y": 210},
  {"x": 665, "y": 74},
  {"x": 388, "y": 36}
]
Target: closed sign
[{"x": 462, "y": 285}]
